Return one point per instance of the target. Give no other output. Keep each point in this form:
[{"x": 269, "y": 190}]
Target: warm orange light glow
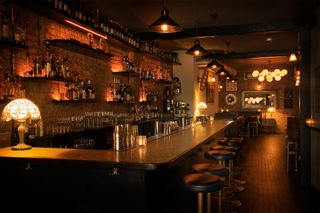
[
  {"x": 197, "y": 52},
  {"x": 164, "y": 27},
  {"x": 213, "y": 79},
  {"x": 310, "y": 121},
  {"x": 293, "y": 57},
  {"x": 271, "y": 109},
  {"x": 141, "y": 140},
  {"x": 86, "y": 29}
]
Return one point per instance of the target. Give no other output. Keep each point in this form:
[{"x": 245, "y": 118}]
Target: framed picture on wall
[
  {"x": 317, "y": 91},
  {"x": 248, "y": 76},
  {"x": 288, "y": 98},
  {"x": 210, "y": 93},
  {"x": 231, "y": 85}
]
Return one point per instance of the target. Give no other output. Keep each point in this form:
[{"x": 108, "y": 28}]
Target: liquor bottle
[
  {"x": 82, "y": 91},
  {"x": 17, "y": 31},
  {"x": 69, "y": 92},
  {"x": 68, "y": 73},
  {"x": 37, "y": 66},
  {"x": 56, "y": 4},
  {"x": 65, "y": 6},
  {"x": 23, "y": 32},
  {"x": 60, "y": 5},
  {"x": 76, "y": 9},
  {"x": 6, "y": 26}
]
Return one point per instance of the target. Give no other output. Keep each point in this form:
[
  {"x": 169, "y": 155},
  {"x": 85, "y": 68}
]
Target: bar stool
[
  {"x": 214, "y": 169},
  {"x": 236, "y": 143},
  {"x": 202, "y": 183},
  {"x": 253, "y": 127},
  {"x": 228, "y": 148},
  {"x": 226, "y": 157}
]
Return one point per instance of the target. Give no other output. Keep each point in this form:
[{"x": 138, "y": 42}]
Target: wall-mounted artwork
[
  {"x": 258, "y": 99},
  {"x": 210, "y": 93},
  {"x": 288, "y": 98}
]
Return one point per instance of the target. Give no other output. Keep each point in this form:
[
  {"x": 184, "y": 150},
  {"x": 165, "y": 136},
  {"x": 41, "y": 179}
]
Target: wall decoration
[
  {"x": 231, "y": 85},
  {"x": 258, "y": 99},
  {"x": 288, "y": 98},
  {"x": 210, "y": 93},
  {"x": 248, "y": 76},
  {"x": 231, "y": 99},
  {"x": 317, "y": 91}
]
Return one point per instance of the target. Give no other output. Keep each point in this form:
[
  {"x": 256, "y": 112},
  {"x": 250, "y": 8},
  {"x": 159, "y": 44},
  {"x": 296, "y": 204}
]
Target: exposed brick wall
[{"x": 87, "y": 65}]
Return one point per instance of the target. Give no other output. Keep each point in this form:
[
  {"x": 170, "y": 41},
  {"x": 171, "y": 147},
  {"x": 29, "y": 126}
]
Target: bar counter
[
  {"x": 132, "y": 180},
  {"x": 161, "y": 152}
]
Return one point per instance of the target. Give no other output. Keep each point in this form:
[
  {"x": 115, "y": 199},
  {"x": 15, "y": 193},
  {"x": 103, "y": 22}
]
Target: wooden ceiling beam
[
  {"x": 258, "y": 54},
  {"x": 292, "y": 25}
]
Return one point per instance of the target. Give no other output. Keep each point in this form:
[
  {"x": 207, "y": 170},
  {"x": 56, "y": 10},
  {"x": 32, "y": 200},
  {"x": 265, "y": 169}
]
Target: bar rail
[{"x": 159, "y": 153}]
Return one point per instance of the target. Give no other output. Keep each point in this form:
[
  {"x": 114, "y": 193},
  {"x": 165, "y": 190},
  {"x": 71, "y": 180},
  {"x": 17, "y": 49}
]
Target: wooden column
[{"x": 305, "y": 106}]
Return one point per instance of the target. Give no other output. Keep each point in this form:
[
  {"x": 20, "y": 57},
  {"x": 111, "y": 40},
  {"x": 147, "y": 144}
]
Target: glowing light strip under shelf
[{"x": 86, "y": 29}]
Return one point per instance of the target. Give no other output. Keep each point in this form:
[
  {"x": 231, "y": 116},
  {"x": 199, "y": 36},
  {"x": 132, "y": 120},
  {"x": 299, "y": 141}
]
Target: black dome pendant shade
[
  {"x": 196, "y": 49},
  {"x": 165, "y": 24}
]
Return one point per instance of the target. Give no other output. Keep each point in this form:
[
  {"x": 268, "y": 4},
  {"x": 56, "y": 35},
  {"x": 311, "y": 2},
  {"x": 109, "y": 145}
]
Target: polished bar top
[{"x": 158, "y": 153}]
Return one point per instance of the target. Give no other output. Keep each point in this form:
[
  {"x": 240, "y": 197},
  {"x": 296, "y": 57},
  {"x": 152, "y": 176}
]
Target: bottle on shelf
[{"x": 6, "y": 26}]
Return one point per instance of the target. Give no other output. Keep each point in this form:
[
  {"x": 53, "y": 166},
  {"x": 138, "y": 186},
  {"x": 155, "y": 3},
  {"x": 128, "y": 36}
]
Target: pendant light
[
  {"x": 165, "y": 24},
  {"x": 196, "y": 49},
  {"x": 222, "y": 73},
  {"x": 214, "y": 65}
]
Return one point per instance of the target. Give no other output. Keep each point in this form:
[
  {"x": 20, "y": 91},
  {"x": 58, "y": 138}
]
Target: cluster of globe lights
[
  {"x": 255, "y": 100},
  {"x": 265, "y": 74}
]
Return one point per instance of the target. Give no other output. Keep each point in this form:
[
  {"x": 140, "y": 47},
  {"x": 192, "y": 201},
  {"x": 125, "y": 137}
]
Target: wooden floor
[{"x": 269, "y": 188}]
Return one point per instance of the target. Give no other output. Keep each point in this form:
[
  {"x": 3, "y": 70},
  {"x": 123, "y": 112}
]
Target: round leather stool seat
[
  {"x": 220, "y": 155},
  {"x": 228, "y": 148},
  {"x": 237, "y": 138},
  {"x": 210, "y": 168},
  {"x": 199, "y": 182},
  {"x": 231, "y": 143}
]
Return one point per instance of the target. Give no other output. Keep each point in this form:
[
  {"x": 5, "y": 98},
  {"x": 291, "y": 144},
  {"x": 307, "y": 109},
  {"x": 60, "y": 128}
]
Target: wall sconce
[
  {"x": 259, "y": 85},
  {"x": 297, "y": 78},
  {"x": 20, "y": 110},
  {"x": 293, "y": 57},
  {"x": 268, "y": 37}
]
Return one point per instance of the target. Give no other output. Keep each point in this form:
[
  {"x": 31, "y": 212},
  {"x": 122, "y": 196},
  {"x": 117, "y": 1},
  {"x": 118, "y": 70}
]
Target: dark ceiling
[{"x": 243, "y": 24}]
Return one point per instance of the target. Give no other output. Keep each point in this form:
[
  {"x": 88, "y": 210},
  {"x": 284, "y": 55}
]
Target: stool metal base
[
  {"x": 228, "y": 205},
  {"x": 239, "y": 182},
  {"x": 234, "y": 189}
]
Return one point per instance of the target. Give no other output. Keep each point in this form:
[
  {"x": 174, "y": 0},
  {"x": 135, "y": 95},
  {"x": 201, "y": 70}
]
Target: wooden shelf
[
  {"x": 129, "y": 73},
  {"x": 55, "y": 15},
  {"x": 74, "y": 101},
  {"x": 74, "y": 45},
  {"x": 5, "y": 101},
  {"x": 166, "y": 81},
  {"x": 119, "y": 102},
  {"x": 9, "y": 44},
  {"x": 46, "y": 79},
  {"x": 159, "y": 58}
]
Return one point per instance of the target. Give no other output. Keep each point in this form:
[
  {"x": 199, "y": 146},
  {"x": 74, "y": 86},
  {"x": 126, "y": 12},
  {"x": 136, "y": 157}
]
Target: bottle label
[{"x": 5, "y": 30}]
